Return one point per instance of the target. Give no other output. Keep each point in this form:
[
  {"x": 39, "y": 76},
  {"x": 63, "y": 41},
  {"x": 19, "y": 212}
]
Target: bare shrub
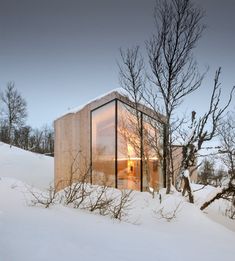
[
  {"x": 99, "y": 200},
  {"x": 80, "y": 194},
  {"x": 121, "y": 205},
  {"x": 45, "y": 199},
  {"x": 104, "y": 201},
  {"x": 77, "y": 190},
  {"x": 162, "y": 213}
]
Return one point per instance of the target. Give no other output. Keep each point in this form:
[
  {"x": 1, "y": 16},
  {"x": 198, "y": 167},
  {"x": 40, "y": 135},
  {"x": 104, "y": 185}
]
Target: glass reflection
[
  {"x": 103, "y": 145},
  {"x": 129, "y": 148},
  {"x": 138, "y": 146},
  {"x": 151, "y": 154}
]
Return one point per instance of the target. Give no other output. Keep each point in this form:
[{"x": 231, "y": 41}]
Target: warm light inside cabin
[{"x": 123, "y": 141}]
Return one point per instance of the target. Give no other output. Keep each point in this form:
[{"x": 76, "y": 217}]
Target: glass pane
[
  {"x": 151, "y": 154},
  {"x": 103, "y": 145},
  {"x": 128, "y": 147}
]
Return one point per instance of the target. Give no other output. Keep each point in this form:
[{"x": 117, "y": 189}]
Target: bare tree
[
  {"x": 227, "y": 190},
  {"x": 14, "y": 109},
  {"x": 227, "y": 136},
  {"x": 142, "y": 132},
  {"x": 209, "y": 174},
  {"x": 203, "y": 129},
  {"x": 22, "y": 137},
  {"x": 41, "y": 140},
  {"x": 173, "y": 72},
  {"x": 206, "y": 171},
  {"x": 46, "y": 145}
]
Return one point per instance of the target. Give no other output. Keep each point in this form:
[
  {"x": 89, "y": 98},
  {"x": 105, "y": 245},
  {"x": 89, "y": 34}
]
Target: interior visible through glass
[
  {"x": 103, "y": 145},
  {"x": 138, "y": 137},
  {"x": 129, "y": 148},
  {"x": 151, "y": 153}
]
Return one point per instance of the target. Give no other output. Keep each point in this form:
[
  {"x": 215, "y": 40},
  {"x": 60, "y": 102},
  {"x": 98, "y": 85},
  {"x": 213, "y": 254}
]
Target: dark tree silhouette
[{"x": 173, "y": 72}]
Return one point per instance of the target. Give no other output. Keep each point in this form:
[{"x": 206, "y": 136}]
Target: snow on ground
[
  {"x": 29, "y": 167},
  {"x": 61, "y": 233},
  {"x": 217, "y": 210}
]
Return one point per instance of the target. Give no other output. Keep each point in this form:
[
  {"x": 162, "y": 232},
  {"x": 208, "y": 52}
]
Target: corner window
[{"x": 125, "y": 148}]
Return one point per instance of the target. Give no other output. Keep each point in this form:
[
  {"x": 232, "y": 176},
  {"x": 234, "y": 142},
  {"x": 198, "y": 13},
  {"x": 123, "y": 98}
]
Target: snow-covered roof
[{"x": 120, "y": 91}]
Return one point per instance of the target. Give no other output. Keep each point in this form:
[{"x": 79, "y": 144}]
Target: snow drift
[
  {"x": 62, "y": 233},
  {"x": 31, "y": 168}
]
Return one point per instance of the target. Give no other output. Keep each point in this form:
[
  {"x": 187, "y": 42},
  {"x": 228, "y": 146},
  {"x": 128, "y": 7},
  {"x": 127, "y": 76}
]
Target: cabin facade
[{"x": 111, "y": 141}]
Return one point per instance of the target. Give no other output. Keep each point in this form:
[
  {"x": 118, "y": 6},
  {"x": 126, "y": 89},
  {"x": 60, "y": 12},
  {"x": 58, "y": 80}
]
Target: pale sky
[{"x": 62, "y": 53}]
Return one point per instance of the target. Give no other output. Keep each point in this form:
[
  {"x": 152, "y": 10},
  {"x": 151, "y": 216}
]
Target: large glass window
[
  {"x": 151, "y": 153},
  {"x": 103, "y": 145},
  {"x": 128, "y": 153},
  {"x": 128, "y": 148}
]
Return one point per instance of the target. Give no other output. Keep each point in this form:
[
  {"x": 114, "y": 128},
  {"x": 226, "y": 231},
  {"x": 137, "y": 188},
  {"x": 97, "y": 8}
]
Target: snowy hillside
[
  {"x": 31, "y": 168},
  {"x": 62, "y": 233}
]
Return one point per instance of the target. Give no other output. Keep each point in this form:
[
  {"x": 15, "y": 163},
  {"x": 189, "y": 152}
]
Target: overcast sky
[{"x": 62, "y": 53}]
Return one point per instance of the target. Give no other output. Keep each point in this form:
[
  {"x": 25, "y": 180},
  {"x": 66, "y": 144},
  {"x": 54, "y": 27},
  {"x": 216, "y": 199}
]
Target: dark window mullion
[
  {"x": 91, "y": 146},
  {"x": 116, "y": 143},
  {"x": 141, "y": 152}
]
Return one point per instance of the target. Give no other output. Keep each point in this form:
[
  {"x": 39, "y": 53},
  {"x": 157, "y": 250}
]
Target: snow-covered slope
[
  {"x": 217, "y": 210},
  {"x": 32, "y": 168},
  {"x": 62, "y": 233}
]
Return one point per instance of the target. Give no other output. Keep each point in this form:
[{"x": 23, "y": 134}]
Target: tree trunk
[
  {"x": 167, "y": 158},
  {"x": 187, "y": 188},
  {"x": 217, "y": 196}
]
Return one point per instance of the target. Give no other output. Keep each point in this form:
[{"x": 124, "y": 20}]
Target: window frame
[{"x": 116, "y": 100}]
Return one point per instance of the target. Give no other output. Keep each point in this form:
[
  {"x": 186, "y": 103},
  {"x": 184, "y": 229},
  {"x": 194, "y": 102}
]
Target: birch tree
[
  {"x": 14, "y": 110},
  {"x": 168, "y": 76},
  {"x": 173, "y": 71}
]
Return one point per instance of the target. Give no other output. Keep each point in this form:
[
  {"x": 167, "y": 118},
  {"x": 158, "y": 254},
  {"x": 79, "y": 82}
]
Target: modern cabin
[{"x": 112, "y": 140}]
